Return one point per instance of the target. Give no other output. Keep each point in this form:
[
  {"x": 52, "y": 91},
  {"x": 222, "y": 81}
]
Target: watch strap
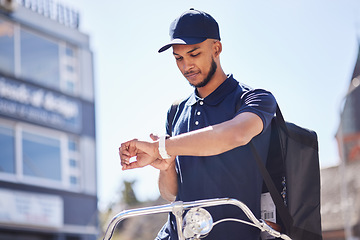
[{"x": 162, "y": 149}]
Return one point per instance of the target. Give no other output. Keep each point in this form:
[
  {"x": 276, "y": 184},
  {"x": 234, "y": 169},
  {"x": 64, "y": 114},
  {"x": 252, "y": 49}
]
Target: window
[
  {"x": 35, "y": 57},
  {"x": 69, "y": 69},
  {"x": 39, "y": 59},
  {"x": 7, "y": 56},
  {"x": 72, "y": 145},
  {"x": 7, "y": 153},
  {"x": 41, "y": 156},
  {"x": 74, "y": 164},
  {"x": 69, "y": 51},
  {"x": 73, "y": 180}
]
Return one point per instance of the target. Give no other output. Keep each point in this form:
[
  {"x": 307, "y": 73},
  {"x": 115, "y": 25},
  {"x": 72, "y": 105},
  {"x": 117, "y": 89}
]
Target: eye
[
  {"x": 194, "y": 55},
  {"x": 178, "y": 58}
]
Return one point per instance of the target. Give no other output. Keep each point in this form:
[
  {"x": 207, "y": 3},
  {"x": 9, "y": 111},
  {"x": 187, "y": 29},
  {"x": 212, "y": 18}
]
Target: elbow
[
  {"x": 241, "y": 140},
  {"x": 243, "y": 136}
]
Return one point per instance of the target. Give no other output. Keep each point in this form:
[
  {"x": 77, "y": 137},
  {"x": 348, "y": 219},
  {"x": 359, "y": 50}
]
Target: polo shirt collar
[{"x": 216, "y": 96}]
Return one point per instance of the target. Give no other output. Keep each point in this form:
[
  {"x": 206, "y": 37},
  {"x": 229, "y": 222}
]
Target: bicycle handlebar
[{"x": 178, "y": 208}]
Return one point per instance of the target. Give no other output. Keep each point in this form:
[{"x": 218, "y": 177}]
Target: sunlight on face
[{"x": 196, "y": 62}]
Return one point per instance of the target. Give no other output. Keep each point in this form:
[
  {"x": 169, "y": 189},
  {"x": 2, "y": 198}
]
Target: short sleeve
[{"x": 260, "y": 102}]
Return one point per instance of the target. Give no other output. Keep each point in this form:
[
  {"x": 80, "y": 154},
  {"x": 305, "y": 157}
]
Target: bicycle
[{"x": 197, "y": 222}]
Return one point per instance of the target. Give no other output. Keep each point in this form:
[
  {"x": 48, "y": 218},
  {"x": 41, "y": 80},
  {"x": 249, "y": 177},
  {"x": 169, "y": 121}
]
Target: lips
[{"x": 191, "y": 74}]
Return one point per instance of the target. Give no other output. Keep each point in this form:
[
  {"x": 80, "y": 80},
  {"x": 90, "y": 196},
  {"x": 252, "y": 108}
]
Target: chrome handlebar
[{"x": 178, "y": 208}]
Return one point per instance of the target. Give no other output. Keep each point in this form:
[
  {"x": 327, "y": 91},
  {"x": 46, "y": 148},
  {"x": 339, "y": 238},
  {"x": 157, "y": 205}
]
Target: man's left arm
[
  {"x": 218, "y": 138},
  {"x": 207, "y": 141},
  {"x": 254, "y": 115}
]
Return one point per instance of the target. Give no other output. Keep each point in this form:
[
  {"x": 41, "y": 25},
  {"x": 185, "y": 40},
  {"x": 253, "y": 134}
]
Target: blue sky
[{"x": 302, "y": 51}]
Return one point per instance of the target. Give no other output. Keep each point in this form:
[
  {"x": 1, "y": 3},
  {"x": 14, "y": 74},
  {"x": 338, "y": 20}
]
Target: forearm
[
  {"x": 208, "y": 141},
  {"x": 216, "y": 139},
  {"x": 168, "y": 185}
]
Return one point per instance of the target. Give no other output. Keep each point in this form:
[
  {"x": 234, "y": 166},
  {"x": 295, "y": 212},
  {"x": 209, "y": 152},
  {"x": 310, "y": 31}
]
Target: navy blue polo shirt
[{"x": 232, "y": 174}]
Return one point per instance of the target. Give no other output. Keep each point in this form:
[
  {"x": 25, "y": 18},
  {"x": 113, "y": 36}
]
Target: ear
[{"x": 217, "y": 48}]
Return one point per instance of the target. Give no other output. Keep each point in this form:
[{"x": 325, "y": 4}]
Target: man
[{"x": 207, "y": 155}]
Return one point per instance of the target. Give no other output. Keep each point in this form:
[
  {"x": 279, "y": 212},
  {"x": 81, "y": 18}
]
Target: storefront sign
[
  {"x": 30, "y": 209},
  {"x": 38, "y": 105}
]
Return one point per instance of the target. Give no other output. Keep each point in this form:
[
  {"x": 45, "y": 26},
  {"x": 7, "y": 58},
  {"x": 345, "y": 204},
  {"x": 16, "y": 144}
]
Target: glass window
[
  {"x": 72, "y": 145},
  {"x": 41, "y": 156},
  {"x": 73, "y": 180},
  {"x": 7, "y": 156},
  {"x": 70, "y": 69},
  {"x": 69, "y": 52},
  {"x": 70, "y": 87},
  {"x": 73, "y": 163},
  {"x": 7, "y": 56},
  {"x": 39, "y": 59}
]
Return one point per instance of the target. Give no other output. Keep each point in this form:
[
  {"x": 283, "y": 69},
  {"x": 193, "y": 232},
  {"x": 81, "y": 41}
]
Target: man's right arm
[{"x": 168, "y": 185}]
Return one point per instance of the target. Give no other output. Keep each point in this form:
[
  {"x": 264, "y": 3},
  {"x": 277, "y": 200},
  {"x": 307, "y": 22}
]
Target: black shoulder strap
[
  {"x": 275, "y": 195},
  {"x": 171, "y": 115},
  {"x": 280, "y": 120},
  {"x": 278, "y": 201}
]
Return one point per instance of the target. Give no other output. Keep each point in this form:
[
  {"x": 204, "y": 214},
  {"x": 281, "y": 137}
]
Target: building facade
[
  {"x": 340, "y": 196},
  {"x": 47, "y": 124}
]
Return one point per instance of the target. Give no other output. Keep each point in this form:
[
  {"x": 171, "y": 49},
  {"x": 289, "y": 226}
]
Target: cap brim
[{"x": 179, "y": 41}]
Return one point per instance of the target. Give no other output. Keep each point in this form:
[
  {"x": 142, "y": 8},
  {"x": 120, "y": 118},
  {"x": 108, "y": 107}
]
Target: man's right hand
[{"x": 146, "y": 153}]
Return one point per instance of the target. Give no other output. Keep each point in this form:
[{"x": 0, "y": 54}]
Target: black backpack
[
  {"x": 291, "y": 175},
  {"x": 293, "y": 164}
]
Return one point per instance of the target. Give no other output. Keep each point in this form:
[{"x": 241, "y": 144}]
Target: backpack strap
[
  {"x": 275, "y": 195},
  {"x": 278, "y": 201},
  {"x": 280, "y": 120},
  {"x": 171, "y": 115}
]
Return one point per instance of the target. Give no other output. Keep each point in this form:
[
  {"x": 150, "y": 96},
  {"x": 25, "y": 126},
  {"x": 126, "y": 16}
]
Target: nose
[{"x": 187, "y": 65}]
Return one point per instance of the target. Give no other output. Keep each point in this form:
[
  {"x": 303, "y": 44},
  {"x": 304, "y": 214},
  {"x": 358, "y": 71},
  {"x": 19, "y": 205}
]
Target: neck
[{"x": 218, "y": 78}]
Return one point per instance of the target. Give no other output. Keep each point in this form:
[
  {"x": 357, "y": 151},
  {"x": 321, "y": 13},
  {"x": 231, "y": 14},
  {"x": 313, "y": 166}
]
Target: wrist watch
[{"x": 162, "y": 149}]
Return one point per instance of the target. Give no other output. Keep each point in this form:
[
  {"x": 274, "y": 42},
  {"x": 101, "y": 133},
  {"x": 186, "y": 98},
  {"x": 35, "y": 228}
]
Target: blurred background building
[
  {"x": 341, "y": 184},
  {"x": 47, "y": 124}
]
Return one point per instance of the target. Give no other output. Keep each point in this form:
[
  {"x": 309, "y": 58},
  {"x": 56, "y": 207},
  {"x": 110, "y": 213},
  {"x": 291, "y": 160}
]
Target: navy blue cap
[{"x": 192, "y": 27}]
